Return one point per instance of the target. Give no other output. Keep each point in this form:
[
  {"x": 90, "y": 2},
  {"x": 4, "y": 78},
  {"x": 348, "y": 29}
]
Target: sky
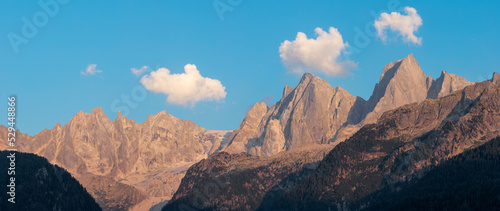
[{"x": 210, "y": 61}]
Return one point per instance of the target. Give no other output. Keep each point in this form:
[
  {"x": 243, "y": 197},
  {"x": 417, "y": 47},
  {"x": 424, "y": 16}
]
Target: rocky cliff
[
  {"x": 401, "y": 82},
  {"x": 310, "y": 113},
  {"x": 496, "y": 78},
  {"x": 315, "y": 112},
  {"x": 446, "y": 84}
]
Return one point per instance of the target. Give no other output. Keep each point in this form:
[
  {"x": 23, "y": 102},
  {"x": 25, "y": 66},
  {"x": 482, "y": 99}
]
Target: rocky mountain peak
[
  {"x": 258, "y": 108},
  {"x": 78, "y": 118},
  {"x": 286, "y": 91},
  {"x": 401, "y": 82},
  {"x": 119, "y": 115},
  {"x": 430, "y": 80},
  {"x": 97, "y": 110},
  {"x": 98, "y": 114},
  {"x": 310, "y": 113},
  {"x": 446, "y": 84},
  {"x": 159, "y": 114},
  {"x": 306, "y": 78},
  {"x": 80, "y": 114},
  {"x": 393, "y": 66},
  {"x": 57, "y": 126},
  {"x": 248, "y": 129},
  {"x": 496, "y": 78},
  {"x": 159, "y": 117}
]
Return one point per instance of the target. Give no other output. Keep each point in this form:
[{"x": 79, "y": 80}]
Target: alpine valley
[{"x": 317, "y": 148}]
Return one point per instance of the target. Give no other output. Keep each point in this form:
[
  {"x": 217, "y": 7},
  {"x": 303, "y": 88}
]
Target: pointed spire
[
  {"x": 287, "y": 90},
  {"x": 57, "y": 126},
  {"x": 97, "y": 110},
  {"x": 159, "y": 114},
  {"x": 496, "y": 78},
  {"x": 430, "y": 81},
  {"x": 446, "y": 84},
  {"x": 80, "y": 115},
  {"x": 119, "y": 117},
  {"x": 306, "y": 78}
]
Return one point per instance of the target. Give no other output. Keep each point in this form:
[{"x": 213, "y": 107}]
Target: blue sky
[{"x": 241, "y": 51}]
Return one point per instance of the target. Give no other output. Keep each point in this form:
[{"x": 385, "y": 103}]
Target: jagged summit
[
  {"x": 97, "y": 110},
  {"x": 159, "y": 114},
  {"x": 401, "y": 82},
  {"x": 310, "y": 113},
  {"x": 496, "y": 78},
  {"x": 286, "y": 90},
  {"x": 306, "y": 77},
  {"x": 247, "y": 129},
  {"x": 119, "y": 116},
  {"x": 314, "y": 112},
  {"x": 132, "y": 158},
  {"x": 445, "y": 84},
  {"x": 389, "y": 68}
]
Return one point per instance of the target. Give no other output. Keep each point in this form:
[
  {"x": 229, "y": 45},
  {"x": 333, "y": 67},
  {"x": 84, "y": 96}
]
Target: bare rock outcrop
[
  {"x": 401, "y": 82},
  {"x": 496, "y": 78},
  {"x": 248, "y": 129},
  {"x": 312, "y": 112},
  {"x": 446, "y": 84}
]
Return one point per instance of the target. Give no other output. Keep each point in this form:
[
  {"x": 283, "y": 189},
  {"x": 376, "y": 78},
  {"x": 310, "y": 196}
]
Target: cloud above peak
[
  {"x": 91, "y": 70},
  {"x": 186, "y": 88},
  {"x": 322, "y": 54},
  {"x": 404, "y": 25}
]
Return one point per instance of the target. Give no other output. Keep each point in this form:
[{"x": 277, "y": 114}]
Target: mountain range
[
  {"x": 318, "y": 146},
  {"x": 314, "y": 117},
  {"x": 123, "y": 163}
]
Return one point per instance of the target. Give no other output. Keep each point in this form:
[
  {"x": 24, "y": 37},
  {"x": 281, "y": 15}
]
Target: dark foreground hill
[
  {"x": 469, "y": 181},
  {"x": 41, "y": 186}
]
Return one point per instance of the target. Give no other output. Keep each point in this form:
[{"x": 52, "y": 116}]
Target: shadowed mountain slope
[{"x": 40, "y": 185}]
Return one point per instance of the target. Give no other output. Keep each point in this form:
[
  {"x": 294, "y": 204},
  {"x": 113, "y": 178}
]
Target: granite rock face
[
  {"x": 446, "y": 84},
  {"x": 141, "y": 161},
  {"x": 401, "y": 82},
  {"x": 496, "y": 78},
  {"x": 247, "y": 130},
  {"x": 310, "y": 113},
  {"x": 315, "y": 112}
]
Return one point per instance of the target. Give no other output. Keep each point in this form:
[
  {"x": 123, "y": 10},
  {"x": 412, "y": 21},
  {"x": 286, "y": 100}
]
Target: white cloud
[
  {"x": 184, "y": 88},
  {"x": 139, "y": 71},
  {"x": 91, "y": 70},
  {"x": 405, "y": 25},
  {"x": 316, "y": 55}
]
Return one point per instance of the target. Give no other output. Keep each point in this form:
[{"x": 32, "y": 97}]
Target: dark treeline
[{"x": 42, "y": 186}]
